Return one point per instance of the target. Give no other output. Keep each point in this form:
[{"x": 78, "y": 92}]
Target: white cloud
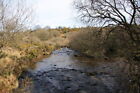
[{"x": 55, "y": 13}]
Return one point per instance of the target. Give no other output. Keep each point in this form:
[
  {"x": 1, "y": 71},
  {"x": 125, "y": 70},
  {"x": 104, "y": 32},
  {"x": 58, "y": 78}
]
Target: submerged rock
[{"x": 64, "y": 73}]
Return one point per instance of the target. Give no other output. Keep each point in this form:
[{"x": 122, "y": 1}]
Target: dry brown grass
[
  {"x": 25, "y": 48},
  {"x": 21, "y": 53}
]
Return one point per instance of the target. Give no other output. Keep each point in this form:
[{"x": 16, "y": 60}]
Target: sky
[{"x": 55, "y": 13}]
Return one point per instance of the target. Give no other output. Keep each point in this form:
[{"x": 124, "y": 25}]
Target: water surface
[{"x": 69, "y": 71}]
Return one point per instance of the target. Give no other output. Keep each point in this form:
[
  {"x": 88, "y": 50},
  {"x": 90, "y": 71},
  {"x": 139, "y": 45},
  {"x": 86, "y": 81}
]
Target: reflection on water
[
  {"x": 68, "y": 71},
  {"x": 64, "y": 58}
]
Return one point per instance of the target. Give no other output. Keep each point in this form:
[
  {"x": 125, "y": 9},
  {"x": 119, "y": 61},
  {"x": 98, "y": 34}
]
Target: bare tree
[
  {"x": 14, "y": 17},
  {"x": 125, "y": 13},
  {"x": 122, "y": 13}
]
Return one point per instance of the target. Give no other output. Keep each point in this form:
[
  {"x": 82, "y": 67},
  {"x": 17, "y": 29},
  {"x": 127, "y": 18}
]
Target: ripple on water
[{"x": 62, "y": 72}]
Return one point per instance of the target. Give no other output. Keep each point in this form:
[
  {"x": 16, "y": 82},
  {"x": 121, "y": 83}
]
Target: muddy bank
[{"x": 69, "y": 71}]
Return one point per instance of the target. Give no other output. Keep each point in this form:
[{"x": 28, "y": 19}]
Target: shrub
[
  {"x": 2, "y": 55},
  {"x": 44, "y": 35},
  {"x": 87, "y": 41},
  {"x": 94, "y": 42}
]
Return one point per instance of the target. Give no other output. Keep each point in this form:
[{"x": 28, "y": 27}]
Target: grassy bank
[
  {"x": 104, "y": 45},
  {"x": 21, "y": 51}
]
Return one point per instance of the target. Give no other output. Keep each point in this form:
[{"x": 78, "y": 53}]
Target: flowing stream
[{"x": 69, "y": 71}]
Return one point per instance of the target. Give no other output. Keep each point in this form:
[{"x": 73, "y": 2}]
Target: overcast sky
[{"x": 55, "y": 13}]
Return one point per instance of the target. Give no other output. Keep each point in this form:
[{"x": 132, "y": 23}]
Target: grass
[{"x": 22, "y": 50}]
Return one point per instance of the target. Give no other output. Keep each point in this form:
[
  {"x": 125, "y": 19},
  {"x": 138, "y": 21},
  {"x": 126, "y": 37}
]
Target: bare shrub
[
  {"x": 97, "y": 43},
  {"x": 15, "y": 16},
  {"x": 45, "y": 34}
]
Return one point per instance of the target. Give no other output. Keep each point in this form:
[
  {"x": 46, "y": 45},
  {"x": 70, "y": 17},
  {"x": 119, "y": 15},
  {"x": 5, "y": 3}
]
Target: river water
[{"x": 69, "y": 71}]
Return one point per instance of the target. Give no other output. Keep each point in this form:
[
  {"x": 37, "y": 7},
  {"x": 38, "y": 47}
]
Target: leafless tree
[
  {"x": 125, "y": 13},
  {"x": 14, "y": 17},
  {"x": 119, "y": 13}
]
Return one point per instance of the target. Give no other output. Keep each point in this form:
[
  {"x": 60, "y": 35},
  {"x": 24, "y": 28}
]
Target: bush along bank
[{"x": 12, "y": 65}]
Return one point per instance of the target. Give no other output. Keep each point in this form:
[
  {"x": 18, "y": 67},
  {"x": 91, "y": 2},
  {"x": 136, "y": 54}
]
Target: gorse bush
[
  {"x": 20, "y": 52},
  {"x": 45, "y": 34},
  {"x": 2, "y": 55}
]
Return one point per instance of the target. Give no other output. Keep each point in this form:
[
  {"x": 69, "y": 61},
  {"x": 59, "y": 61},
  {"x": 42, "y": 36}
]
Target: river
[{"x": 69, "y": 71}]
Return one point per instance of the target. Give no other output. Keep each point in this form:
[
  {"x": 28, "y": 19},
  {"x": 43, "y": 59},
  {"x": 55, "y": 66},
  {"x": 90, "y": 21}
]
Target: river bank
[{"x": 67, "y": 71}]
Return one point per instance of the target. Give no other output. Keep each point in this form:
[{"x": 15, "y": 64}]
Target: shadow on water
[{"x": 68, "y": 71}]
